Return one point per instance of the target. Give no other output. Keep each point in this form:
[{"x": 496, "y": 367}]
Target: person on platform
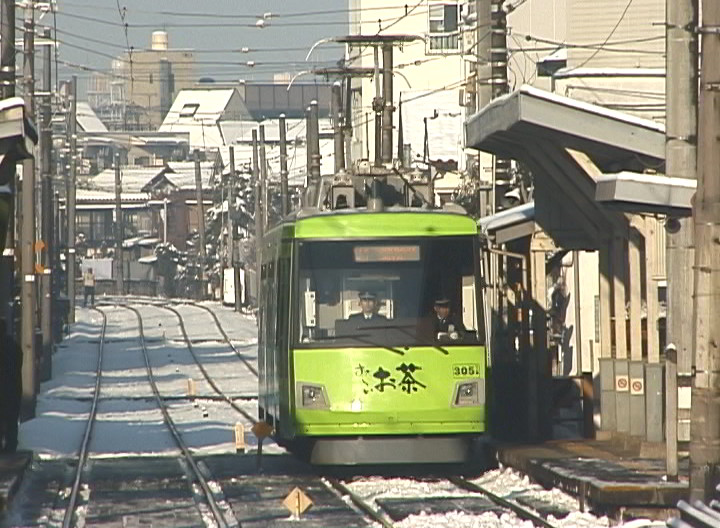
[
  {"x": 368, "y": 307},
  {"x": 89, "y": 286},
  {"x": 10, "y": 389}
]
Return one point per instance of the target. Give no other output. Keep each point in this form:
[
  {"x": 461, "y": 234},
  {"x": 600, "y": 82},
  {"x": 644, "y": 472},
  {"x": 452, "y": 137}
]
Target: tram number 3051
[{"x": 466, "y": 371}]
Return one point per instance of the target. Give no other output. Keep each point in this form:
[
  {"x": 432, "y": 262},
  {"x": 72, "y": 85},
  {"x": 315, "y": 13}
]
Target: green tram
[{"x": 345, "y": 389}]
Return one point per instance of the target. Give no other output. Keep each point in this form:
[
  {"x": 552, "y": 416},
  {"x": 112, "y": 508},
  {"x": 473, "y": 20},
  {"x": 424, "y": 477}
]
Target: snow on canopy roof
[
  {"x": 88, "y": 120},
  {"x": 588, "y": 107}
]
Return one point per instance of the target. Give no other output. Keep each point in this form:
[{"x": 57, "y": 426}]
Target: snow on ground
[
  {"x": 129, "y": 421},
  {"x": 506, "y": 483}
]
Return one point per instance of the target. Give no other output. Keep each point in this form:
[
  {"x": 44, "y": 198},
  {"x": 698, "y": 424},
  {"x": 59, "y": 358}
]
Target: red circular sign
[
  {"x": 622, "y": 383},
  {"x": 637, "y": 386}
]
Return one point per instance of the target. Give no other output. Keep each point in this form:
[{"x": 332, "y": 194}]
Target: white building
[
  {"x": 213, "y": 117},
  {"x": 609, "y": 53}
]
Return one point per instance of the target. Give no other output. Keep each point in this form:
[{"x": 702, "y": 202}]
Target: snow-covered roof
[
  {"x": 297, "y": 159},
  {"x": 88, "y": 120},
  {"x": 559, "y": 54},
  {"x": 94, "y": 195},
  {"x": 181, "y": 174},
  {"x": 200, "y": 111},
  {"x": 133, "y": 179}
]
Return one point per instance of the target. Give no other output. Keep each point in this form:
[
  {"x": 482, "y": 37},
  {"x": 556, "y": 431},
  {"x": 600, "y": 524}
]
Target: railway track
[
  {"x": 199, "y": 474},
  {"x": 82, "y": 455},
  {"x": 235, "y": 480},
  {"x": 373, "y": 512},
  {"x": 188, "y": 342}
]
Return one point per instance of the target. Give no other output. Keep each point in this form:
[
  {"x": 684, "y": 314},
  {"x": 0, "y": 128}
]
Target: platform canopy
[{"x": 570, "y": 146}]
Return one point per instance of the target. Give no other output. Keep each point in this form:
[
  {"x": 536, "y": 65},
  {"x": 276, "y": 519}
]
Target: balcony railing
[{"x": 444, "y": 42}]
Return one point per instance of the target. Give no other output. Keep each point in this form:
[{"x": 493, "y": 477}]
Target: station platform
[
  {"x": 620, "y": 477},
  {"x": 12, "y": 467}
]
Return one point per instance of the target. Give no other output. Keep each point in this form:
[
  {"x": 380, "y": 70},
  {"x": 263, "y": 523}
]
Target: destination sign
[{"x": 405, "y": 253}]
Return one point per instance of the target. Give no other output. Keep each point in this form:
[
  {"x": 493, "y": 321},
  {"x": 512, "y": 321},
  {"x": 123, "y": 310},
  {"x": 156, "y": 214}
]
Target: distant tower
[{"x": 159, "y": 41}]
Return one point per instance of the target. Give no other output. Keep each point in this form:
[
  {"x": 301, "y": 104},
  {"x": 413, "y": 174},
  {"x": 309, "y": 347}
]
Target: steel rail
[
  {"x": 208, "y": 378},
  {"x": 83, "y": 452},
  {"x": 358, "y": 501},
  {"x": 212, "y": 503},
  {"x": 249, "y": 365},
  {"x": 520, "y": 511},
  {"x": 164, "y": 304}
]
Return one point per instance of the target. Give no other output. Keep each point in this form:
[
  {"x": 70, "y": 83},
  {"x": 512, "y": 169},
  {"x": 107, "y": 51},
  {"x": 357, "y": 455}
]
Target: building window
[
  {"x": 189, "y": 110},
  {"x": 444, "y": 34},
  {"x": 96, "y": 226}
]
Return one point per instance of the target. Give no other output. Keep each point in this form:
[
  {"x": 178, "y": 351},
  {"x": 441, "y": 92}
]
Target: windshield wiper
[
  {"x": 358, "y": 337},
  {"x": 404, "y": 330}
]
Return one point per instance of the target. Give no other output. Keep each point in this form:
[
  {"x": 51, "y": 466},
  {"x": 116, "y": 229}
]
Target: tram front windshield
[{"x": 365, "y": 293}]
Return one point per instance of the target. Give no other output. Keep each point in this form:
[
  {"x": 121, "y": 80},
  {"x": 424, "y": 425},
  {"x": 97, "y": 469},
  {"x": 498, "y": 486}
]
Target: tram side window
[
  {"x": 269, "y": 288},
  {"x": 374, "y": 293},
  {"x": 283, "y": 302}
]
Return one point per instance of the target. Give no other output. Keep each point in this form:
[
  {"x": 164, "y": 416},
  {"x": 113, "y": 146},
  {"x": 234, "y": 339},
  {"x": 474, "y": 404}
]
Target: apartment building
[
  {"x": 142, "y": 86},
  {"x": 609, "y": 53}
]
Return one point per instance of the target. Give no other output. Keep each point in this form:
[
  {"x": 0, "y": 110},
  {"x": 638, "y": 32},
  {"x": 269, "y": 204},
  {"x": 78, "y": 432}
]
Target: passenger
[
  {"x": 368, "y": 305},
  {"x": 444, "y": 324},
  {"x": 10, "y": 389},
  {"x": 89, "y": 284}
]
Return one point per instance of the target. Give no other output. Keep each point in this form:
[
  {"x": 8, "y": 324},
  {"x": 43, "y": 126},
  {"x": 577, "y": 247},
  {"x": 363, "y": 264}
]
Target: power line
[
  {"x": 297, "y": 14},
  {"x": 622, "y": 17}
]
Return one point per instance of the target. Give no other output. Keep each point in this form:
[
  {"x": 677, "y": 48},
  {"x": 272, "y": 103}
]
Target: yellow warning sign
[
  {"x": 39, "y": 245},
  {"x": 297, "y": 502},
  {"x": 239, "y": 437},
  {"x": 39, "y": 269},
  {"x": 262, "y": 430}
]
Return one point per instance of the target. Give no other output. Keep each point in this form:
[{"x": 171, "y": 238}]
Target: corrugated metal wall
[{"x": 591, "y": 23}]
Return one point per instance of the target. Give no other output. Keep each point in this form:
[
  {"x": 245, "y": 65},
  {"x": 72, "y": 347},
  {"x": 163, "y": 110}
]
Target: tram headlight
[
  {"x": 312, "y": 396},
  {"x": 469, "y": 393}
]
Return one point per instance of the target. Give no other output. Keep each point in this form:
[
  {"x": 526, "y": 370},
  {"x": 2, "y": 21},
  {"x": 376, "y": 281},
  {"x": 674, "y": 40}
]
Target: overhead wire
[{"x": 612, "y": 32}]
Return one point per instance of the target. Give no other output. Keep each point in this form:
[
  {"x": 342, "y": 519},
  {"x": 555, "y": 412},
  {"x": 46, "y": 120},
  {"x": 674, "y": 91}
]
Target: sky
[{"x": 91, "y": 32}]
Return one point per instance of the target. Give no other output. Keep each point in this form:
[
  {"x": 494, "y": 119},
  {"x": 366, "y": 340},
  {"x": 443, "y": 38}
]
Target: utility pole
[
  {"x": 231, "y": 210},
  {"x": 338, "y": 140},
  {"x": 201, "y": 222},
  {"x": 681, "y": 131},
  {"x": 231, "y": 232},
  {"x": 387, "y": 100},
  {"x": 8, "y": 168},
  {"x": 7, "y": 68},
  {"x": 119, "y": 229},
  {"x": 347, "y": 122},
  {"x": 47, "y": 279},
  {"x": 483, "y": 86},
  {"x": 500, "y": 85},
  {"x": 70, "y": 200},
  {"x": 27, "y": 232},
  {"x": 313, "y": 145},
  {"x": 258, "y": 217},
  {"x": 265, "y": 217},
  {"x": 705, "y": 426},
  {"x": 284, "y": 167}
]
